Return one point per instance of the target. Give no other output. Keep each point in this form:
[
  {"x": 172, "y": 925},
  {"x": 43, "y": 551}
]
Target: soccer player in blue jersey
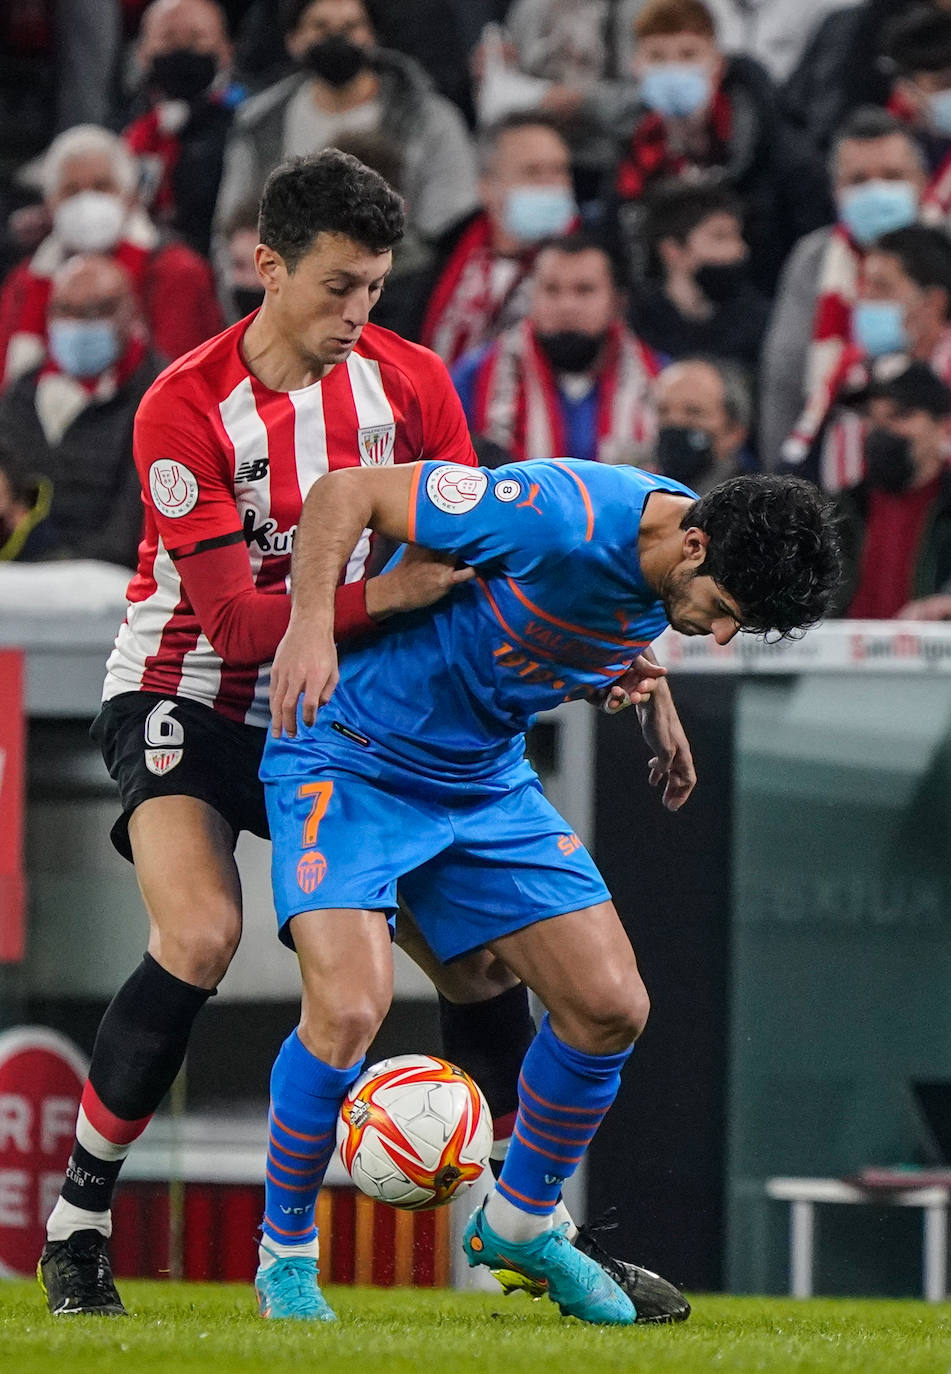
[{"x": 413, "y": 772}]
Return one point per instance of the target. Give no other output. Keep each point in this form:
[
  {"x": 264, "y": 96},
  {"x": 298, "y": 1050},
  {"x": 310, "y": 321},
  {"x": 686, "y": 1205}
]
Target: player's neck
[
  {"x": 269, "y": 356},
  {"x": 660, "y": 537}
]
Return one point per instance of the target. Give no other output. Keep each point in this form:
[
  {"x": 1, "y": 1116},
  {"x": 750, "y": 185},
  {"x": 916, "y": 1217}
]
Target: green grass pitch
[{"x": 185, "y": 1328}]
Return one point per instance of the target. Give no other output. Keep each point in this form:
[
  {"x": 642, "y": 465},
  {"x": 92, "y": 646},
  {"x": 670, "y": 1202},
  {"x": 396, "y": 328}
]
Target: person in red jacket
[{"x": 90, "y": 180}]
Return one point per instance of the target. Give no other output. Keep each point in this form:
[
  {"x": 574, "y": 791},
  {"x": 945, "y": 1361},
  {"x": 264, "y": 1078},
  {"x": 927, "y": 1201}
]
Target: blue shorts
[{"x": 474, "y": 860}]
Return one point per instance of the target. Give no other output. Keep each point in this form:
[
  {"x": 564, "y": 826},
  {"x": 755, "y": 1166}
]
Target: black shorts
[{"x": 158, "y": 746}]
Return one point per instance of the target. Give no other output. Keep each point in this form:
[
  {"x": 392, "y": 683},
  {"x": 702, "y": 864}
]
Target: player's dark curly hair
[
  {"x": 329, "y": 192},
  {"x": 773, "y": 548}
]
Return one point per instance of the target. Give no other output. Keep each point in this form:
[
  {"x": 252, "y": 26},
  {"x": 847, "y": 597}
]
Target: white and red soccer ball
[{"x": 414, "y": 1131}]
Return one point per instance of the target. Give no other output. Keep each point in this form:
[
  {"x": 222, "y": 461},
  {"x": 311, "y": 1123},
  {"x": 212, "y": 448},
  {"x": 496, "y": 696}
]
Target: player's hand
[
  {"x": 305, "y": 666},
  {"x": 671, "y": 763},
  {"x": 418, "y": 579},
  {"x": 633, "y": 689}
]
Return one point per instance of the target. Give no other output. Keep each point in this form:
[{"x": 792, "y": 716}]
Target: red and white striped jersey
[{"x": 220, "y": 455}]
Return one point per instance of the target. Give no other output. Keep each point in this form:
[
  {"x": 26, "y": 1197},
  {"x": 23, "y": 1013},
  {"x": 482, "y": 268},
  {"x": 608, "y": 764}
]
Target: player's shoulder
[
  {"x": 201, "y": 377},
  {"x": 614, "y": 478},
  {"x": 419, "y": 366}
]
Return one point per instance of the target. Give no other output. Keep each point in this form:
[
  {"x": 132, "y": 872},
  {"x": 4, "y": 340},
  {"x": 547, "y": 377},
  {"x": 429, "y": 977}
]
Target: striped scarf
[
  {"x": 477, "y": 295},
  {"x": 516, "y": 401},
  {"x": 842, "y": 456},
  {"x": 650, "y": 157},
  {"x": 832, "y": 355}
]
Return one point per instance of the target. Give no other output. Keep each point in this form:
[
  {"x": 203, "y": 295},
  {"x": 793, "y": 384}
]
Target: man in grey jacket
[
  {"x": 878, "y": 176},
  {"x": 346, "y": 85}
]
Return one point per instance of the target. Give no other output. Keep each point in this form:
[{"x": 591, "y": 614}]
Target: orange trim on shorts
[{"x": 585, "y": 498}]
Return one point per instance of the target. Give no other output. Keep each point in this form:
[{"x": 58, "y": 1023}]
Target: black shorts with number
[{"x": 157, "y": 746}]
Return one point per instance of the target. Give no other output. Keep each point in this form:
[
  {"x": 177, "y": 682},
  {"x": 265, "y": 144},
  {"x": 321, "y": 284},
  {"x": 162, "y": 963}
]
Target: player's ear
[
  {"x": 269, "y": 266},
  {"x": 695, "y": 543}
]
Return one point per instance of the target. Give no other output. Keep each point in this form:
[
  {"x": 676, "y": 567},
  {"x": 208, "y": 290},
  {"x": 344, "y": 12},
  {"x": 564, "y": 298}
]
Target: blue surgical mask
[
  {"x": 83, "y": 348},
  {"x": 878, "y": 207},
  {"x": 538, "y": 212},
  {"x": 939, "y": 109},
  {"x": 676, "y": 89},
  {"x": 878, "y": 327}
]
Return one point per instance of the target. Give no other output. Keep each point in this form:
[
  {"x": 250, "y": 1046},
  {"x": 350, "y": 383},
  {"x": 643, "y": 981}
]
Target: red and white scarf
[
  {"x": 477, "y": 295},
  {"x": 832, "y": 355},
  {"x": 516, "y": 402},
  {"x": 842, "y": 457},
  {"x": 27, "y": 346}
]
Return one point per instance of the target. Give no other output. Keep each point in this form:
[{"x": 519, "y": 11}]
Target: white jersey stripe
[
  {"x": 373, "y": 411},
  {"x": 95, "y": 1142},
  {"x": 140, "y": 634}
]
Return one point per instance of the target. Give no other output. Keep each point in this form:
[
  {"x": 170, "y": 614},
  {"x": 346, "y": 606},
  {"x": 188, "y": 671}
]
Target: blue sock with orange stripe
[
  {"x": 306, "y": 1095},
  {"x": 563, "y": 1095}
]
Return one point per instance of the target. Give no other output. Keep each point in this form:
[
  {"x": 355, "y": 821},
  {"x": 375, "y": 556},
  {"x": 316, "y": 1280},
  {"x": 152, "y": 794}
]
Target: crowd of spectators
[{"x": 702, "y": 236}]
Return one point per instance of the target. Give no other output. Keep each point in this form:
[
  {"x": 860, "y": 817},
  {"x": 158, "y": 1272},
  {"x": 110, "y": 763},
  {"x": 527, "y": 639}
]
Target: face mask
[
  {"x": 90, "y": 222},
  {"x": 182, "y": 74},
  {"x": 247, "y": 298},
  {"x": 939, "y": 109},
  {"x": 722, "y": 281},
  {"x": 684, "y": 454},
  {"x": 888, "y": 462},
  {"x": 570, "y": 350},
  {"x": 878, "y": 327},
  {"x": 878, "y": 207},
  {"x": 538, "y": 212},
  {"x": 335, "y": 60},
  {"x": 676, "y": 89},
  {"x": 83, "y": 348}
]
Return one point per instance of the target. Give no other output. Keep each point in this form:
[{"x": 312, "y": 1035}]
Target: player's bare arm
[{"x": 337, "y": 510}]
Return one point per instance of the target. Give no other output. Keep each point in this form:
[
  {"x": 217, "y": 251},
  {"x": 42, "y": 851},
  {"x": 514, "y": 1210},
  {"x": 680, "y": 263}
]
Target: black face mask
[
  {"x": 335, "y": 60},
  {"x": 722, "y": 281},
  {"x": 888, "y": 462},
  {"x": 684, "y": 454},
  {"x": 182, "y": 74},
  {"x": 569, "y": 350},
  {"x": 247, "y": 298}
]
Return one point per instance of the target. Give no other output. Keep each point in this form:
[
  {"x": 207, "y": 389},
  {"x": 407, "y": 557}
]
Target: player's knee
[
  {"x": 615, "y": 1018},
  {"x": 198, "y": 954},
  {"x": 341, "y": 1033}
]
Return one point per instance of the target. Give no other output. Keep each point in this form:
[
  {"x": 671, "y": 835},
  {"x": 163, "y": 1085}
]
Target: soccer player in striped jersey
[
  {"x": 414, "y": 772},
  {"x": 227, "y": 443}
]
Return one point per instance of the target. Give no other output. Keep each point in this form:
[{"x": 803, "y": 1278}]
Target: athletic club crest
[{"x": 376, "y": 444}]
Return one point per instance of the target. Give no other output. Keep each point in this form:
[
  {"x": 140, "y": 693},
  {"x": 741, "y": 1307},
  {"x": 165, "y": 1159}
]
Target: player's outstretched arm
[{"x": 337, "y": 510}]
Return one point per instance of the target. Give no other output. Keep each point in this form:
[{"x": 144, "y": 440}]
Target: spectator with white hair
[{"x": 89, "y": 185}]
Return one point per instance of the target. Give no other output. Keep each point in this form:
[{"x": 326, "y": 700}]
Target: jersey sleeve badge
[
  {"x": 173, "y": 488},
  {"x": 456, "y": 490}
]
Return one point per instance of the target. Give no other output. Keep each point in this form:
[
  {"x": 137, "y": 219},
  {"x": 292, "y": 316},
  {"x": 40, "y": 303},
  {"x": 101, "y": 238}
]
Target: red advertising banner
[
  {"x": 41, "y": 1081},
  {"x": 12, "y": 751}
]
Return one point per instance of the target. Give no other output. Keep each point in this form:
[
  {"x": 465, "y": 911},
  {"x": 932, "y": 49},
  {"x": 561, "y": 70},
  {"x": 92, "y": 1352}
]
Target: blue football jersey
[{"x": 559, "y": 607}]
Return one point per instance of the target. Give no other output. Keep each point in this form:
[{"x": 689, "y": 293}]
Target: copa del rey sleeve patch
[
  {"x": 173, "y": 487},
  {"x": 456, "y": 489}
]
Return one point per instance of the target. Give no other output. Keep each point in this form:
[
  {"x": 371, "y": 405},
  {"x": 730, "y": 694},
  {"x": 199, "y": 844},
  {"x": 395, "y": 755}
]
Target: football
[{"x": 414, "y": 1131}]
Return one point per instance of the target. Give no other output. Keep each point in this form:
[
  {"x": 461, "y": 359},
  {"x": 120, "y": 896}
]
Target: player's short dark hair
[
  {"x": 329, "y": 192},
  {"x": 773, "y": 547},
  {"x": 674, "y": 208},
  {"x": 924, "y": 252},
  {"x": 584, "y": 241}
]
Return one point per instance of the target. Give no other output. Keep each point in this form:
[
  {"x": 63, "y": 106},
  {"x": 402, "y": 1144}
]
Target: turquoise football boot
[{"x": 287, "y": 1290}]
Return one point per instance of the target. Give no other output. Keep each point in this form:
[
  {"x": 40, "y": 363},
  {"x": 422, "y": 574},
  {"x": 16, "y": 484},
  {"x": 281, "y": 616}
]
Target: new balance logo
[{"x": 252, "y": 470}]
